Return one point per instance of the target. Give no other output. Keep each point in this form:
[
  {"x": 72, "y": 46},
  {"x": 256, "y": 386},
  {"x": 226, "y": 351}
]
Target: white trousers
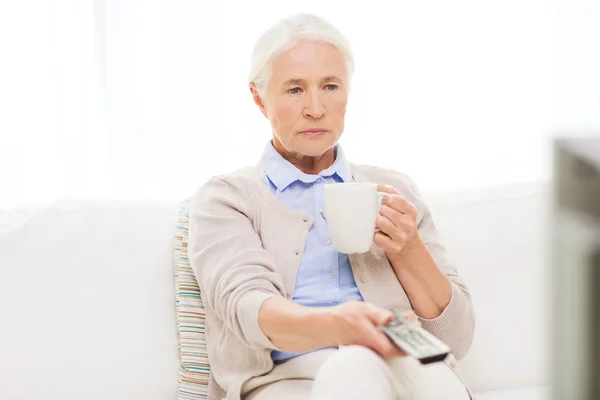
[{"x": 356, "y": 373}]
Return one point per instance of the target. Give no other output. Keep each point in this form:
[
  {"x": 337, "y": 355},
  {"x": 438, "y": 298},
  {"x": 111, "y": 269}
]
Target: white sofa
[{"x": 87, "y": 302}]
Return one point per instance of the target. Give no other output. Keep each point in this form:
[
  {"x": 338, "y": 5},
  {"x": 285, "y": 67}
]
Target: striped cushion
[{"x": 194, "y": 367}]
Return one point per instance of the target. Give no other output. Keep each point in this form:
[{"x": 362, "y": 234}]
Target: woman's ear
[{"x": 258, "y": 99}]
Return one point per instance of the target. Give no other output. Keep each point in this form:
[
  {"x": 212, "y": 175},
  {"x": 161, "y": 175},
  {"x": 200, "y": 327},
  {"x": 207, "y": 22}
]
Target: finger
[
  {"x": 398, "y": 235},
  {"x": 380, "y": 343},
  {"x": 401, "y": 204},
  {"x": 411, "y": 316},
  {"x": 376, "y": 315},
  {"x": 396, "y": 352},
  {"x": 383, "y": 241},
  {"x": 398, "y": 219},
  {"x": 386, "y": 225},
  {"x": 391, "y": 350},
  {"x": 387, "y": 189},
  {"x": 407, "y": 223}
]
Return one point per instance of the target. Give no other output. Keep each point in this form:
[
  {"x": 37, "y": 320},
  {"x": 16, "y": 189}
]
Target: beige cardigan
[{"x": 245, "y": 246}]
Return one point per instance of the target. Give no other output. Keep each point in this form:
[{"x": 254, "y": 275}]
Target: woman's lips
[{"x": 313, "y": 132}]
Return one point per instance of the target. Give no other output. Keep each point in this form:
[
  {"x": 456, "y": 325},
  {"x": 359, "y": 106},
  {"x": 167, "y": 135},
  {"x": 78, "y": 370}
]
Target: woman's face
[{"x": 305, "y": 99}]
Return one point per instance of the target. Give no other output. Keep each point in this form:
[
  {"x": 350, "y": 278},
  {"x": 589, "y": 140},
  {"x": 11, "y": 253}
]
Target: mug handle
[{"x": 379, "y": 199}]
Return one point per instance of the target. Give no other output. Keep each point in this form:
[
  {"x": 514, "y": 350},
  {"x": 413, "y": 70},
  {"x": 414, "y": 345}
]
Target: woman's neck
[{"x": 307, "y": 164}]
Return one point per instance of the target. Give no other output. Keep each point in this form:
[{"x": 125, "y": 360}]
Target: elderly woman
[{"x": 287, "y": 316}]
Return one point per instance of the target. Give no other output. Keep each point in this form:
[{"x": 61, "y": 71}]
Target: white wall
[
  {"x": 460, "y": 94},
  {"x": 576, "y": 62}
]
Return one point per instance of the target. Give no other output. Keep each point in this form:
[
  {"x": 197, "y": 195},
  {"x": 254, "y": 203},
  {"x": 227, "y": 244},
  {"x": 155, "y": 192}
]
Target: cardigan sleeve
[
  {"x": 234, "y": 272},
  {"x": 456, "y": 324}
]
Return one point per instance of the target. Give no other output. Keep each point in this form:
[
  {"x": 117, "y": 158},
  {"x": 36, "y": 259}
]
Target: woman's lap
[
  {"x": 288, "y": 389},
  {"x": 429, "y": 382},
  {"x": 355, "y": 372},
  {"x": 304, "y": 367}
]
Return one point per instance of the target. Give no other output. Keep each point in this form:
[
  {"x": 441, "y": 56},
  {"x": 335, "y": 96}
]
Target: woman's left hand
[{"x": 397, "y": 221}]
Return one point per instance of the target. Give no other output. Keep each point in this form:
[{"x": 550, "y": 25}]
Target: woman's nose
[{"x": 314, "y": 106}]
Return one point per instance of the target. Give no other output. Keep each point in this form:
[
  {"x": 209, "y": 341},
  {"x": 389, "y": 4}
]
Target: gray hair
[{"x": 284, "y": 34}]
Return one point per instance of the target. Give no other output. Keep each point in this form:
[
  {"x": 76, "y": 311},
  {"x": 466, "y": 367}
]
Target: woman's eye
[
  {"x": 331, "y": 86},
  {"x": 295, "y": 90}
]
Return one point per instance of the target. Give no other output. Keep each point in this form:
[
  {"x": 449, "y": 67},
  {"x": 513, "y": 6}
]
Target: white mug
[{"x": 351, "y": 211}]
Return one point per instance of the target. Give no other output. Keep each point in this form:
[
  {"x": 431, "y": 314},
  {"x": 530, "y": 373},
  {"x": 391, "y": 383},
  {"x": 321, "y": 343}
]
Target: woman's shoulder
[{"x": 236, "y": 183}]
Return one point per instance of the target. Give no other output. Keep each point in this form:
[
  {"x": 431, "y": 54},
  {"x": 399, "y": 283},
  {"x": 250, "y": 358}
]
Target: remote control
[{"x": 415, "y": 341}]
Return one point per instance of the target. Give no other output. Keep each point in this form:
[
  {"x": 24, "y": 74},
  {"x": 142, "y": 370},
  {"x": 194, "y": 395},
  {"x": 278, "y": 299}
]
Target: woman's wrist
[
  {"x": 294, "y": 327},
  {"x": 319, "y": 325}
]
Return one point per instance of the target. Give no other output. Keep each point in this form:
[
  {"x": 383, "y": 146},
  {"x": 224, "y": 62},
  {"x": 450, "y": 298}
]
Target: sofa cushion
[
  {"x": 194, "y": 370},
  {"x": 497, "y": 238},
  {"x": 87, "y": 293},
  {"x": 87, "y": 302}
]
